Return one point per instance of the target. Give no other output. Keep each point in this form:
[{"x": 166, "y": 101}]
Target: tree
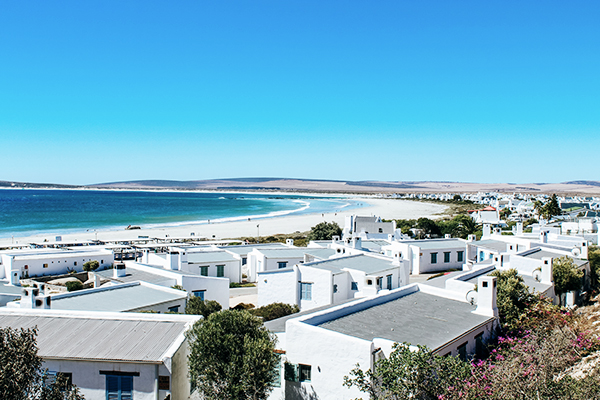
[
  {"x": 566, "y": 275},
  {"x": 232, "y": 357},
  {"x": 324, "y": 231},
  {"x": 21, "y": 373},
  {"x": 551, "y": 208},
  {"x": 197, "y": 306},
  {"x": 428, "y": 227},
  {"x": 408, "y": 374},
  {"x": 274, "y": 311},
  {"x": 466, "y": 226},
  {"x": 594, "y": 258},
  {"x": 91, "y": 265},
  {"x": 505, "y": 213},
  {"x": 512, "y": 296},
  {"x": 457, "y": 197}
]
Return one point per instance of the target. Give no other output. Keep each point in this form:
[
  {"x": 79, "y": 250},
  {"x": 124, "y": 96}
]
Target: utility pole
[{"x": 258, "y": 233}]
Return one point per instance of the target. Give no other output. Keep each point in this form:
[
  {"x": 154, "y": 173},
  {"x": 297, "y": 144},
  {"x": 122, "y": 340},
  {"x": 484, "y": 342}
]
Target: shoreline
[{"x": 267, "y": 226}]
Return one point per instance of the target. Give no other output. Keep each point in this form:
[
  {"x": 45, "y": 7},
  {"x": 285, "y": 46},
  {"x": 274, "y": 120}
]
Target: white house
[
  {"x": 320, "y": 283},
  {"x": 263, "y": 260},
  {"x": 112, "y": 355},
  {"x": 429, "y": 255},
  {"x": 205, "y": 287},
  {"x": 24, "y": 263},
  {"x": 241, "y": 251},
  {"x": 201, "y": 260},
  {"x": 123, "y": 297},
  {"x": 367, "y": 227},
  {"x": 320, "y": 348},
  {"x": 487, "y": 215}
]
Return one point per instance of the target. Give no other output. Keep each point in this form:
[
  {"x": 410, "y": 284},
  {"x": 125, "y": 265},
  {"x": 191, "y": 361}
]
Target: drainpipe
[{"x": 156, "y": 382}]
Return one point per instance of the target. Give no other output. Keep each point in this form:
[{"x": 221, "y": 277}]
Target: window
[
  {"x": 174, "y": 309},
  {"x": 459, "y": 256},
  {"x": 119, "y": 387},
  {"x": 434, "y": 258},
  {"x": 446, "y": 256},
  {"x": 305, "y": 291},
  {"x": 204, "y": 271},
  {"x": 354, "y": 286},
  {"x": 389, "y": 282},
  {"x": 480, "y": 348},
  {"x": 380, "y": 230},
  {"x": 74, "y": 262},
  {"x": 45, "y": 265},
  {"x": 334, "y": 288},
  {"x": 199, "y": 293},
  {"x": 282, "y": 264},
  {"x": 305, "y": 373},
  {"x": 244, "y": 260},
  {"x": 481, "y": 255},
  {"x": 220, "y": 271},
  {"x": 462, "y": 351}
]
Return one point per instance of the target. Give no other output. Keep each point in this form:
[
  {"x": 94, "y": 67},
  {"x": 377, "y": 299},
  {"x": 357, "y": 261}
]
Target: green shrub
[
  {"x": 91, "y": 265},
  {"x": 74, "y": 285}
]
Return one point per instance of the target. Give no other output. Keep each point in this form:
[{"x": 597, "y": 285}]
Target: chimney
[
  {"x": 119, "y": 270},
  {"x": 546, "y": 271},
  {"x": 471, "y": 238},
  {"x": 519, "y": 228},
  {"x": 356, "y": 243},
  {"x": 584, "y": 250},
  {"x": 447, "y": 236},
  {"x": 543, "y": 236},
  {"x": 486, "y": 296},
  {"x": 289, "y": 242},
  {"x": 497, "y": 231},
  {"x": 511, "y": 248},
  {"x": 96, "y": 279},
  {"x": 34, "y": 298},
  {"x": 335, "y": 238},
  {"x": 486, "y": 231}
]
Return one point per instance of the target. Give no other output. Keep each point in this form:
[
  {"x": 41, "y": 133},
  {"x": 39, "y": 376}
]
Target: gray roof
[
  {"x": 433, "y": 244},
  {"x": 367, "y": 264},
  {"x": 495, "y": 245},
  {"x": 440, "y": 281},
  {"x": 278, "y": 325},
  {"x": 320, "y": 253},
  {"x": 209, "y": 257},
  {"x": 245, "y": 249},
  {"x": 417, "y": 318},
  {"x": 117, "y": 298},
  {"x": 5, "y": 288},
  {"x": 102, "y": 339},
  {"x": 373, "y": 245},
  {"x": 293, "y": 252},
  {"x": 133, "y": 275}
]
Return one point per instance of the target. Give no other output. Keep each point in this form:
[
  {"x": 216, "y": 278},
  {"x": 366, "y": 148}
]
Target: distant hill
[{"x": 580, "y": 187}]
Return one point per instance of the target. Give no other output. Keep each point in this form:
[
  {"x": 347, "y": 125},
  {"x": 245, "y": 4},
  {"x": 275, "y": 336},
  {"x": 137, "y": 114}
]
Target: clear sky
[{"x": 477, "y": 91}]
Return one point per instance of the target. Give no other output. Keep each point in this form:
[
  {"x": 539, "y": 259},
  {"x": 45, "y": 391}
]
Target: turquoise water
[{"x": 25, "y": 212}]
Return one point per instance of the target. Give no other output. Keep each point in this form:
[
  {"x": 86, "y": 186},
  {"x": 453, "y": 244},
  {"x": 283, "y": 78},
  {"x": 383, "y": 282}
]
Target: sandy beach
[{"x": 385, "y": 208}]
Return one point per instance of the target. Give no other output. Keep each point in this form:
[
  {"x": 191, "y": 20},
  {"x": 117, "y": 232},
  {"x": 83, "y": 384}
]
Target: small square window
[
  {"x": 305, "y": 372},
  {"x": 354, "y": 286},
  {"x": 305, "y": 291},
  {"x": 174, "y": 309},
  {"x": 199, "y": 293},
  {"x": 434, "y": 258},
  {"x": 220, "y": 271},
  {"x": 484, "y": 284},
  {"x": 282, "y": 264}
]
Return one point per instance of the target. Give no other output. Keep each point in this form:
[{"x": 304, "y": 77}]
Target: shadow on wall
[{"x": 295, "y": 391}]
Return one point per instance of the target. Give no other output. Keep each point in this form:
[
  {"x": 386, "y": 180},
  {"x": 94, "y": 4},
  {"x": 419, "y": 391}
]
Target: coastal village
[{"x": 111, "y": 313}]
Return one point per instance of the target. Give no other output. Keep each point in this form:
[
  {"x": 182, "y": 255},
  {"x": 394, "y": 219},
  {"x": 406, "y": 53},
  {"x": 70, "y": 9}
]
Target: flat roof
[
  {"x": 417, "y": 318},
  {"x": 120, "y": 298},
  {"x": 278, "y": 325},
  {"x": 294, "y": 252},
  {"x": 245, "y": 249},
  {"x": 361, "y": 262},
  {"x": 209, "y": 257},
  {"x": 133, "y": 275},
  {"x": 433, "y": 244},
  {"x": 127, "y": 337},
  {"x": 490, "y": 244}
]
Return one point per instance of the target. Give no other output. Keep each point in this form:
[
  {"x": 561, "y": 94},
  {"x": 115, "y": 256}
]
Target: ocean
[{"x": 25, "y": 212}]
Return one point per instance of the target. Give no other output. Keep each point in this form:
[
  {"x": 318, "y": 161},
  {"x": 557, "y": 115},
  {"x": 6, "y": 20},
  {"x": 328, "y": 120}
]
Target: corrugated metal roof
[
  {"x": 99, "y": 339},
  {"x": 120, "y": 298}
]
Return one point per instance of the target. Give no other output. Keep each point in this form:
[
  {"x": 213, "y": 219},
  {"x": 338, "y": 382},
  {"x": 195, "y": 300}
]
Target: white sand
[{"x": 385, "y": 208}]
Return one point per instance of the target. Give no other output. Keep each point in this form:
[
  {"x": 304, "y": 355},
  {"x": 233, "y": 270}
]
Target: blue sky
[{"x": 477, "y": 91}]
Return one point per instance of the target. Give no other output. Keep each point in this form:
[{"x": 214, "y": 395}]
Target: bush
[
  {"x": 274, "y": 311},
  {"x": 91, "y": 265},
  {"x": 74, "y": 285},
  {"x": 324, "y": 231},
  {"x": 197, "y": 306},
  {"x": 566, "y": 275}
]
